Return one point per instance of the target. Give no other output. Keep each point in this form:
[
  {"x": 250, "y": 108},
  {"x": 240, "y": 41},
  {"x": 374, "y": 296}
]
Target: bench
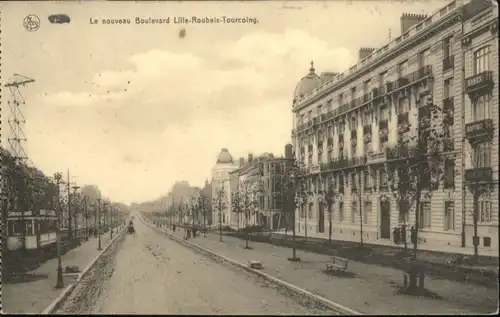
[{"x": 338, "y": 264}]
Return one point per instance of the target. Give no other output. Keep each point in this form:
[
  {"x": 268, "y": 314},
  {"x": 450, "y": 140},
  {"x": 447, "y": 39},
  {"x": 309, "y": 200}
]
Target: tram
[{"x": 37, "y": 230}]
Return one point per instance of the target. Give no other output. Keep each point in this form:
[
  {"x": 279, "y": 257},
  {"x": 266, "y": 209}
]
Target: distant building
[
  {"x": 220, "y": 180},
  {"x": 263, "y": 173},
  {"x": 449, "y": 58}
]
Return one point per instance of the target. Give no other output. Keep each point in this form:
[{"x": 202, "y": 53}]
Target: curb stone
[
  {"x": 49, "y": 310},
  {"x": 328, "y": 303}
]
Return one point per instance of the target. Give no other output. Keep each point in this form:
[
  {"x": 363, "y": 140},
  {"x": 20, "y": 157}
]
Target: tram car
[{"x": 39, "y": 230}]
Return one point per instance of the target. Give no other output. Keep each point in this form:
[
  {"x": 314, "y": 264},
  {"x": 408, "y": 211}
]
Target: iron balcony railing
[
  {"x": 478, "y": 129},
  {"x": 479, "y": 81}
]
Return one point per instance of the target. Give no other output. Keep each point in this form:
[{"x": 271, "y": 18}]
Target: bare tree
[
  {"x": 415, "y": 164},
  {"x": 220, "y": 204},
  {"x": 327, "y": 198},
  {"x": 237, "y": 203}
]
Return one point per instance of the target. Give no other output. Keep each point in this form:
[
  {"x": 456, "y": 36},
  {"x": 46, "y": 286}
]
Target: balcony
[
  {"x": 336, "y": 164},
  {"x": 403, "y": 81},
  {"x": 389, "y": 87},
  {"x": 448, "y": 145},
  {"x": 356, "y": 161},
  {"x": 403, "y": 122},
  {"x": 448, "y": 62},
  {"x": 481, "y": 129},
  {"x": 479, "y": 174},
  {"x": 375, "y": 158},
  {"x": 479, "y": 82}
]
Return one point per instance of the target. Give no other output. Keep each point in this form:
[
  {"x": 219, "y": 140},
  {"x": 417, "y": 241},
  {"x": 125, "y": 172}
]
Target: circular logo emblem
[{"x": 31, "y": 23}]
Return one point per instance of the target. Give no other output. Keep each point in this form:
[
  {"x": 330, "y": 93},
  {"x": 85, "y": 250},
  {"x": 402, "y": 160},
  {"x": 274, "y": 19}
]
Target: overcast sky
[{"x": 133, "y": 108}]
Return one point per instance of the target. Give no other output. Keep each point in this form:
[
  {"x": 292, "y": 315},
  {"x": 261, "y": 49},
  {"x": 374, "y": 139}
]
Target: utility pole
[
  {"x": 60, "y": 282},
  {"x": 112, "y": 209},
  {"x": 75, "y": 211},
  {"x": 86, "y": 215},
  {"x": 99, "y": 247},
  {"x": 70, "y": 225}
]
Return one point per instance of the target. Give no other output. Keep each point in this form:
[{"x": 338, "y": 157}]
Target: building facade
[
  {"x": 220, "y": 180},
  {"x": 345, "y": 125}
]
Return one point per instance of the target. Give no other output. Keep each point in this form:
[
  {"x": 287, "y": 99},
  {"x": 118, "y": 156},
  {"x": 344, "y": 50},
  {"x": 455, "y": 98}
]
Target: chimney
[
  {"x": 250, "y": 158},
  {"x": 288, "y": 151},
  {"x": 410, "y": 19},
  {"x": 242, "y": 161},
  {"x": 364, "y": 52}
]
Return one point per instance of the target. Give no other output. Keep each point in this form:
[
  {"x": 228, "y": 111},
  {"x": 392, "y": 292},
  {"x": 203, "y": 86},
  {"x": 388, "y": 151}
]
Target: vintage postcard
[{"x": 261, "y": 158}]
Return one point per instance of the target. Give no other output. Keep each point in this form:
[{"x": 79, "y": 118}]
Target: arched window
[
  {"x": 481, "y": 108},
  {"x": 482, "y": 155},
  {"x": 482, "y": 60}
]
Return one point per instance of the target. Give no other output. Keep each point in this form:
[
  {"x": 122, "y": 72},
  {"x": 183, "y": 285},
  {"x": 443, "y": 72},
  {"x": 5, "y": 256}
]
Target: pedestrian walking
[{"x": 413, "y": 235}]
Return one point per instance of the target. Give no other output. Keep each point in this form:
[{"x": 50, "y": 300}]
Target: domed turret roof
[
  {"x": 224, "y": 157},
  {"x": 308, "y": 83}
]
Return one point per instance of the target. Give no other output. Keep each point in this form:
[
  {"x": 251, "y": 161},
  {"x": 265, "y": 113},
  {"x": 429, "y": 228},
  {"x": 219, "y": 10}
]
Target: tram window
[
  {"x": 29, "y": 227},
  {"x": 15, "y": 227}
]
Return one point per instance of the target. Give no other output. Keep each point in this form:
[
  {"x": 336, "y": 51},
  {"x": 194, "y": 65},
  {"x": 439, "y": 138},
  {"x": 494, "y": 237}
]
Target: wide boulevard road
[{"x": 151, "y": 274}]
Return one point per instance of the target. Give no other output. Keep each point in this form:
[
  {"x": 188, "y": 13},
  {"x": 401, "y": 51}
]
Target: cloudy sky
[{"x": 133, "y": 108}]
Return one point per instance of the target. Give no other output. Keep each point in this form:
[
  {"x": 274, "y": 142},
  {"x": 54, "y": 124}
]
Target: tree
[
  {"x": 415, "y": 164},
  {"x": 295, "y": 184},
  {"x": 248, "y": 193},
  {"x": 237, "y": 203},
  {"x": 477, "y": 189},
  {"x": 219, "y": 204},
  {"x": 327, "y": 198}
]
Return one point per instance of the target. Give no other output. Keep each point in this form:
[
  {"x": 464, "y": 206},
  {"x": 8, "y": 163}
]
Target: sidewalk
[
  {"x": 34, "y": 296},
  {"x": 368, "y": 289},
  {"x": 385, "y": 242}
]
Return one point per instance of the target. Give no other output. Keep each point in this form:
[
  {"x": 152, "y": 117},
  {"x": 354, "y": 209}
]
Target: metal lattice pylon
[{"x": 17, "y": 121}]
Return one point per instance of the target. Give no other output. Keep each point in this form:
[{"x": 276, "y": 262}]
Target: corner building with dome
[
  {"x": 220, "y": 179},
  {"x": 345, "y": 125}
]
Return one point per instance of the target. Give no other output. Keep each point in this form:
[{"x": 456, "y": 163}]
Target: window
[
  {"x": 309, "y": 115},
  {"x": 320, "y": 110},
  {"x": 367, "y": 213},
  {"x": 302, "y": 119},
  {"x": 484, "y": 211},
  {"x": 354, "y": 184},
  {"x": 354, "y": 122},
  {"x": 382, "y": 78},
  {"x": 424, "y": 58},
  {"x": 424, "y": 221},
  {"x": 341, "y": 99},
  {"x": 449, "y": 216},
  {"x": 384, "y": 113},
  {"x": 403, "y": 105},
  {"x": 447, "y": 51},
  {"x": 354, "y": 93},
  {"x": 366, "y": 86},
  {"x": 481, "y": 108},
  {"x": 310, "y": 211},
  {"x": 341, "y": 184},
  {"x": 449, "y": 174},
  {"x": 341, "y": 211},
  {"x": 366, "y": 118},
  {"x": 366, "y": 181},
  {"x": 329, "y": 105},
  {"x": 404, "y": 212},
  {"x": 482, "y": 60},
  {"x": 448, "y": 88},
  {"x": 403, "y": 68},
  {"x": 383, "y": 179},
  {"x": 482, "y": 154},
  {"x": 354, "y": 211}
]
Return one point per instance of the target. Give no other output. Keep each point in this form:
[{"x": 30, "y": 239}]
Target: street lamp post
[
  {"x": 99, "y": 247},
  {"x": 60, "y": 282},
  {"x": 111, "y": 222}
]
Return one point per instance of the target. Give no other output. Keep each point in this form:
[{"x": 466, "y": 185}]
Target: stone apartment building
[
  {"x": 345, "y": 124},
  {"x": 220, "y": 181}
]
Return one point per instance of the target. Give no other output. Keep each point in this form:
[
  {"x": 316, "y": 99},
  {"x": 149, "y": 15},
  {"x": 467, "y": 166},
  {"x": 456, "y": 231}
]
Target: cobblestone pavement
[
  {"x": 365, "y": 288},
  {"x": 151, "y": 274},
  {"x": 35, "y": 295}
]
